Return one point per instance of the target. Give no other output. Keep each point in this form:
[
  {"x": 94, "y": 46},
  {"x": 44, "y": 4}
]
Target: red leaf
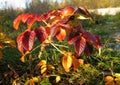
[
  {"x": 80, "y": 45},
  {"x": 88, "y": 49},
  {"x": 54, "y": 30},
  {"x": 41, "y": 34},
  {"x": 73, "y": 37},
  {"x": 89, "y": 38},
  {"x": 31, "y": 20},
  {"x": 38, "y": 17},
  {"x": 84, "y": 12},
  {"x": 61, "y": 35},
  {"x": 17, "y": 21},
  {"x": 20, "y": 44},
  {"x": 25, "y": 17},
  {"x": 28, "y": 39},
  {"x": 98, "y": 41},
  {"x": 93, "y": 39},
  {"x": 80, "y": 28},
  {"x": 73, "y": 40},
  {"x": 45, "y": 16}
]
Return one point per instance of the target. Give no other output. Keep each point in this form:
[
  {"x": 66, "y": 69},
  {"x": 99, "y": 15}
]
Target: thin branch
[
  {"x": 61, "y": 45},
  {"x": 57, "y": 48}
]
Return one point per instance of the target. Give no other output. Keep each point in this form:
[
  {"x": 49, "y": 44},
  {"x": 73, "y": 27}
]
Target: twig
[
  {"x": 57, "y": 48},
  {"x": 61, "y": 45}
]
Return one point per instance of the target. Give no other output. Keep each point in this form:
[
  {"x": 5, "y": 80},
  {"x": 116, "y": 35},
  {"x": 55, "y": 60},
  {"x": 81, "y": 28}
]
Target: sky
[{"x": 13, "y": 3}]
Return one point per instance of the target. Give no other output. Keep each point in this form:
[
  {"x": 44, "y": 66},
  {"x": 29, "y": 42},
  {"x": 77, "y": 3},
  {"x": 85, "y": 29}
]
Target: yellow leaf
[
  {"x": 117, "y": 74},
  {"x": 23, "y": 56},
  {"x": 42, "y": 62},
  {"x": 43, "y": 69},
  {"x": 62, "y": 35},
  {"x": 81, "y": 61},
  {"x": 50, "y": 67},
  {"x": 67, "y": 61},
  {"x": 57, "y": 79}
]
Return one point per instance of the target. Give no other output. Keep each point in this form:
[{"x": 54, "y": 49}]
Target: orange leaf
[
  {"x": 67, "y": 61},
  {"x": 61, "y": 35},
  {"x": 16, "y": 22},
  {"x": 77, "y": 62},
  {"x": 81, "y": 61},
  {"x": 42, "y": 62}
]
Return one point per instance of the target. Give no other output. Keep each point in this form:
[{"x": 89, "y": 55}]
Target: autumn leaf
[
  {"x": 43, "y": 69},
  {"x": 25, "y": 17},
  {"x": 83, "y": 13},
  {"x": 93, "y": 39},
  {"x": 17, "y": 21},
  {"x": 31, "y": 20},
  {"x": 88, "y": 49},
  {"x": 28, "y": 39},
  {"x": 61, "y": 35},
  {"x": 23, "y": 56},
  {"x": 80, "y": 45},
  {"x": 67, "y": 61},
  {"x": 77, "y": 62},
  {"x": 20, "y": 43},
  {"x": 42, "y": 62},
  {"x": 41, "y": 33}
]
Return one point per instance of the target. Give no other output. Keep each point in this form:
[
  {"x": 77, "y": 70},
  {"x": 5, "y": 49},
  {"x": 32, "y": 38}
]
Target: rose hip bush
[{"x": 61, "y": 24}]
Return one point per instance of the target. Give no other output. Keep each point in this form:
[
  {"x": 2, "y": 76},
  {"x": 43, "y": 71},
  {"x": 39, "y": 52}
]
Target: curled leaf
[
  {"x": 25, "y": 17},
  {"x": 23, "y": 56},
  {"x": 61, "y": 35},
  {"x": 43, "y": 69},
  {"x": 17, "y": 21},
  {"x": 31, "y": 20},
  {"x": 50, "y": 67},
  {"x": 20, "y": 43},
  {"x": 42, "y": 62}
]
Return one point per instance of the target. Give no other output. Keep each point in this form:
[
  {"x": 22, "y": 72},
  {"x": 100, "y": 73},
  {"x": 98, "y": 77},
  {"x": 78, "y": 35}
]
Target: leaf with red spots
[{"x": 41, "y": 33}]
